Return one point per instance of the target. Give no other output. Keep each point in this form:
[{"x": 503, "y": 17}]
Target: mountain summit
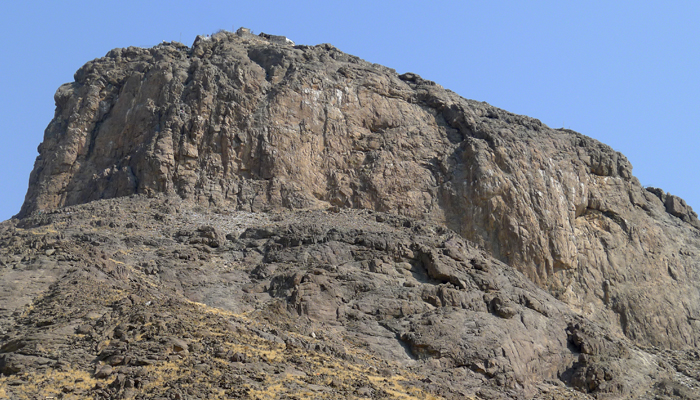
[{"x": 279, "y": 215}]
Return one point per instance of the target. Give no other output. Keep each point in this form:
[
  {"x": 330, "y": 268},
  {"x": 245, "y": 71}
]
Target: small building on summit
[
  {"x": 277, "y": 39},
  {"x": 245, "y": 32}
]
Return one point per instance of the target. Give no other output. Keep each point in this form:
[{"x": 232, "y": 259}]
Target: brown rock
[
  {"x": 178, "y": 345},
  {"x": 225, "y": 136},
  {"x": 103, "y": 371},
  {"x": 256, "y": 131}
]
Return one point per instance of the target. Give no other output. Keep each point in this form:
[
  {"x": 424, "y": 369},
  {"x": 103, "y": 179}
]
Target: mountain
[{"x": 275, "y": 220}]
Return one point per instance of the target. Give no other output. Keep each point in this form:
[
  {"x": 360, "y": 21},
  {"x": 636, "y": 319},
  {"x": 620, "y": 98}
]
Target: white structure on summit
[{"x": 245, "y": 32}]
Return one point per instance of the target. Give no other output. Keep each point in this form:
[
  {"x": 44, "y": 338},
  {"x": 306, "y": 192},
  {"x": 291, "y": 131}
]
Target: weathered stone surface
[
  {"x": 346, "y": 302},
  {"x": 244, "y": 123},
  {"x": 230, "y": 134},
  {"x": 676, "y": 207}
]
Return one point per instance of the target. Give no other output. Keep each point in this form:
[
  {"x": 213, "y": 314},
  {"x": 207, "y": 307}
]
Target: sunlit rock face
[
  {"x": 247, "y": 124},
  {"x": 158, "y": 297}
]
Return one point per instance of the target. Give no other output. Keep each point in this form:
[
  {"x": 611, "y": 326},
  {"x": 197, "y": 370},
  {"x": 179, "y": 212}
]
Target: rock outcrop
[
  {"x": 241, "y": 123},
  {"x": 145, "y": 298}
]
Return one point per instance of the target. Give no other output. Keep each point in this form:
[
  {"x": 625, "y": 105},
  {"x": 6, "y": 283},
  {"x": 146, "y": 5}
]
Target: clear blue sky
[{"x": 626, "y": 73}]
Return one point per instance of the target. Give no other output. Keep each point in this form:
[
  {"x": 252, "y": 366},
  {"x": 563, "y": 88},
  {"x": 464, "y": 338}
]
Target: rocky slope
[
  {"x": 246, "y": 125},
  {"x": 146, "y": 298}
]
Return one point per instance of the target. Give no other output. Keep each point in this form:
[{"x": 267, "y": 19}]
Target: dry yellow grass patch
[
  {"x": 392, "y": 386},
  {"x": 49, "y": 383},
  {"x": 269, "y": 392},
  {"x": 320, "y": 365},
  {"x": 213, "y": 310},
  {"x": 161, "y": 373},
  {"x": 253, "y": 346},
  {"x": 29, "y": 308},
  {"x": 113, "y": 296},
  {"x": 44, "y": 230}
]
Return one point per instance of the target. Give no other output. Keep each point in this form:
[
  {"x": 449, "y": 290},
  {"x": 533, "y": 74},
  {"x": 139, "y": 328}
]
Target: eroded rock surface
[
  {"x": 257, "y": 126},
  {"x": 458, "y": 196},
  {"x": 154, "y": 297}
]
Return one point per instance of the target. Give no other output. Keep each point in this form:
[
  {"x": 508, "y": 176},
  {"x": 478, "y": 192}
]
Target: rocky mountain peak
[{"x": 257, "y": 124}]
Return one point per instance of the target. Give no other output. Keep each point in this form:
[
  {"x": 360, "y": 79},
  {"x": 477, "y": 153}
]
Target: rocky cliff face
[{"x": 249, "y": 125}]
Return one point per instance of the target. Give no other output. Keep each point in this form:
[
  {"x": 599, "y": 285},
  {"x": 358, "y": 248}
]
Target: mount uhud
[{"x": 250, "y": 218}]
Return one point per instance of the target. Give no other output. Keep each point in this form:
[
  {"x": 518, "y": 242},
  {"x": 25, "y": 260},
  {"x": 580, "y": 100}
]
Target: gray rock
[
  {"x": 493, "y": 255},
  {"x": 255, "y": 131},
  {"x": 11, "y": 364}
]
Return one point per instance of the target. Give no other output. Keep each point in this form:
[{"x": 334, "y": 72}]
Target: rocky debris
[
  {"x": 331, "y": 304},
  {"x": 237, "y": 122}
]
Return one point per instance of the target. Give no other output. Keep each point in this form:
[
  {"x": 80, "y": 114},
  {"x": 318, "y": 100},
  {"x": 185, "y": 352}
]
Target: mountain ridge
[
  {"x": 311, "y": 127},
  {"x": 240, "y": 123}
]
